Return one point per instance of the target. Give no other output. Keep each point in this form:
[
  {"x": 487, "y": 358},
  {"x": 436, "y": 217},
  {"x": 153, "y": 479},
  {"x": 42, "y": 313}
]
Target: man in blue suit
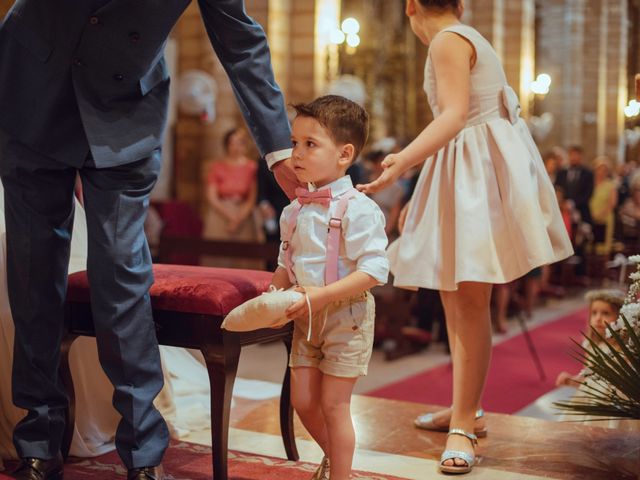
[{"x": 84, "y": 89}]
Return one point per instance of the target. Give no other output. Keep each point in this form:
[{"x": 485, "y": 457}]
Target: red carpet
[
  {"x": 513, "y": 381},
  {"x": 187, "y": 461}
]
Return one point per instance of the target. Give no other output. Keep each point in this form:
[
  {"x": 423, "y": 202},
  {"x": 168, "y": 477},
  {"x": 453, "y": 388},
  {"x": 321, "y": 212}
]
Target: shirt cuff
[
  {"x": 275, "y": 157},
  {"x": 378, "y": 269}
]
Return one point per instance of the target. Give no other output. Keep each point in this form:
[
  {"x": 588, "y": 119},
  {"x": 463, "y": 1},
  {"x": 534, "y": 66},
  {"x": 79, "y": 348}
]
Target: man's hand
[
  {"x": 286, "y": 178},
  {"x": 317, "y": 298}
]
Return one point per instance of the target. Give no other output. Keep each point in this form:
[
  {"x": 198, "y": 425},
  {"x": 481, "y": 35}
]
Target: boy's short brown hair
[{"x": 346, "y": 121}]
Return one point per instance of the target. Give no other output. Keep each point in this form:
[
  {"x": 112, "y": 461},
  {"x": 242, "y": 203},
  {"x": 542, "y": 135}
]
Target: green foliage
[{"x": 612, "y": 386}]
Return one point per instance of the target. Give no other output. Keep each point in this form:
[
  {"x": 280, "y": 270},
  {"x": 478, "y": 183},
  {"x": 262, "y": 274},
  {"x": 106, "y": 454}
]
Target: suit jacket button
[
  {"x": 134, "y": 37},
  {"x": 93, "y": 20},
  {"x": 78, "y": 63},
  {"x": 118, "y": 77}
]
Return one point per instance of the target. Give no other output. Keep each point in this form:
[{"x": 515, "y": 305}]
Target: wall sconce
[
  {"x": 540, "y": 86},
  {"x": 632, "y": 109},
  {"x": 348, "y": 32}
]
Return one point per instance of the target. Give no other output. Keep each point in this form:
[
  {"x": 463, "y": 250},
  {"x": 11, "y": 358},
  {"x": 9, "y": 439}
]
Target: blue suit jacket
[{"x": 74, "y": 80}]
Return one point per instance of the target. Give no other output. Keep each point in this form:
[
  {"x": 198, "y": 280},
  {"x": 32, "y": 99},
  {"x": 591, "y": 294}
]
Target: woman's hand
[
  {"x": 317, "y": 298},
  {"x": 403, "y": 217},
  {"x": 233, "y": 225},
  {"x": 393, "y": 168}
]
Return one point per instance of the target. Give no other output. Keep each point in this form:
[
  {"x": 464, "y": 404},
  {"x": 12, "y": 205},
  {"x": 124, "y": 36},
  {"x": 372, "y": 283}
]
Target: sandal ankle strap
[
  {"x": 458, "y": 431},
  {"x": 479, "y": 412}
]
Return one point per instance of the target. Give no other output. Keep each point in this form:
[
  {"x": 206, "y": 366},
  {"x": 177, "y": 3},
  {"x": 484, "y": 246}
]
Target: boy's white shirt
[{"x": 363, "y": 242}]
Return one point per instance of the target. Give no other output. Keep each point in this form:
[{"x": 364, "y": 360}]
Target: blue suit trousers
[{"x": 39, "y": 211}]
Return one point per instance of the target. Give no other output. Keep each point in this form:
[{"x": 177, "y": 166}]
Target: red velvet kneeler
[{"x": 189, "y": 304}]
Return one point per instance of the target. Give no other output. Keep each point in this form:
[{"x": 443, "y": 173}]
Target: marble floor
[{"x": 516, "y": 447}]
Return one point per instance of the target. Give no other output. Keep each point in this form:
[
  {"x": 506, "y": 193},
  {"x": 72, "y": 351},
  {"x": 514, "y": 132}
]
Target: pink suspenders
[
  {"x": 333, "y": 242},
  {"x": 333, "y": 239},
  {"x": 286, "y": 243}
]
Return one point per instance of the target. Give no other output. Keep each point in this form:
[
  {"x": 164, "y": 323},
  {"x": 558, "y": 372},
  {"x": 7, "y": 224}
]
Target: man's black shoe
[
  {"x": 36, "y": 469},
  {"x": 146, "y": 473}
]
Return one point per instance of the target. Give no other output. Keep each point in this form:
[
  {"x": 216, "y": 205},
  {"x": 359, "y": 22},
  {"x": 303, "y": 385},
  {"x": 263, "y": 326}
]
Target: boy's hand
[
  {"x": 566, "y": 379},
  {"x": 317, "y": 297}
]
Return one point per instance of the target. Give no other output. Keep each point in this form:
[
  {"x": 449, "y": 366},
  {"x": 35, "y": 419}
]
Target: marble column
[
  {"x": 302, "y": 59},
  {"x": 583, "y": 45},
  {"x": 4, "y": 7}
]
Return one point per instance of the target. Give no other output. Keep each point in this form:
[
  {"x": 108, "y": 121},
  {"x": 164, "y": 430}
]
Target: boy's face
[
  {"x": 316, "y": 157},
  {"x": 602, "y": 314}
]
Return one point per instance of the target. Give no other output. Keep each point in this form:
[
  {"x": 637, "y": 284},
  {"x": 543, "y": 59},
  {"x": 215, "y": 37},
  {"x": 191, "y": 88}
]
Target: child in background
[
  {"x": 334, "y": 322},
  {"x": 604, "y": 307}
]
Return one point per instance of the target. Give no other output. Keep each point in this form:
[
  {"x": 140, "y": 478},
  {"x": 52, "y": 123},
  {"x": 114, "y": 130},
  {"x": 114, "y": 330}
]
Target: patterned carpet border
[{"x": 188, "y": 461}]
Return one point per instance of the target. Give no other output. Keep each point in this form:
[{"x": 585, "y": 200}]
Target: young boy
[{"x": 334, "y": 256}]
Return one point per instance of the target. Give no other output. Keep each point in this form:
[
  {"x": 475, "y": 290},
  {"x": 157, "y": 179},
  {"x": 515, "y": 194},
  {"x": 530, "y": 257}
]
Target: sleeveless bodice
[{"x": 487, "y": 85}]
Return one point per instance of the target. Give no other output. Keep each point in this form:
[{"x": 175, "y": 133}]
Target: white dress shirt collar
[{"x": 338, "y": 187}]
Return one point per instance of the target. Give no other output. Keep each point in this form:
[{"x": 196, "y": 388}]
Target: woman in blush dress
[{"x": 231, "y": 192}]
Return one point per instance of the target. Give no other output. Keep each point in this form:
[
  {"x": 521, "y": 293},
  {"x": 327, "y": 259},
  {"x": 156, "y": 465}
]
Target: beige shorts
[{"x": 341, "y": 345}]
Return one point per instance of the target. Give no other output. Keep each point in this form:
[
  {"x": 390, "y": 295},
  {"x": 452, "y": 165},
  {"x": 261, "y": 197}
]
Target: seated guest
[
  {"x": 630, "y": 209},
  {"x": 231, "y": 192},
  {"x": 553, "y": 162},
  {"x": 602, "y": 205},
  {"x": 625, "y": 172},
  {"x": 577, "y": 182}
]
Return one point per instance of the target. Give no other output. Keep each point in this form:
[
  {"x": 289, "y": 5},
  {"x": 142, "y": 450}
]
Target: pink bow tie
[{"x": 323, "y": 197}]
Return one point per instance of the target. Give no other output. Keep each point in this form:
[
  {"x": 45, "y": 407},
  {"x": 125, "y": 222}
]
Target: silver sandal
[
  {"x": 425, "y": 422},
  {"x": 453, "y": 454},
  {"x": 322, "y": 473}
]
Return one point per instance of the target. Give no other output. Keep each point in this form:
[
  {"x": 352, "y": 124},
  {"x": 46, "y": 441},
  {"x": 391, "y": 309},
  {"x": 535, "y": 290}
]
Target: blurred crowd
[{"x": 599, "y": 201}]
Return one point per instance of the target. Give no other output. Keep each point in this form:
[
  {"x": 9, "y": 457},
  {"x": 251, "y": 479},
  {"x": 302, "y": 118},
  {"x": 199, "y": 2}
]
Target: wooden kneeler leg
[
  {"x": 67, "y": 381},
  {"x": 286, "y": 411},
  {"x": 222, "y": 365}
]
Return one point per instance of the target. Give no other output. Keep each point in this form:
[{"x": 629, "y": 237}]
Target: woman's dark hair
[
  {"x": 441, "y": 4},
  {"x": 227, "y": 137}
]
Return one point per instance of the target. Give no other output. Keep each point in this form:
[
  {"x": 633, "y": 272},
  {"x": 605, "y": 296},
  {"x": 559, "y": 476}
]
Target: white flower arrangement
[
  {"x": 630, "y": 311},
  {"x": 634, "y": 259}
]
